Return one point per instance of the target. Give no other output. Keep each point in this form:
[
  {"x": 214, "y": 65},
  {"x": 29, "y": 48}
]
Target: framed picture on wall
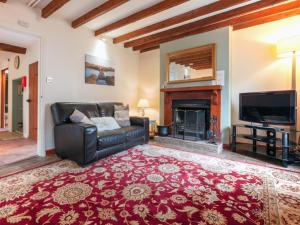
[{"x": 99, "y": 71}]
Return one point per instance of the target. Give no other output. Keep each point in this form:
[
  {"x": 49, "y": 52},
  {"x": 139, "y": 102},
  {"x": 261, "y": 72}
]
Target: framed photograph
[{"x": 99, "y": 71}]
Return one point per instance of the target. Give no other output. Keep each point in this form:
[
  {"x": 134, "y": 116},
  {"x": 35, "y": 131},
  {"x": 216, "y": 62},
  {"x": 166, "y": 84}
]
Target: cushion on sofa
[
  {"x": 105, "y": 123},
  {"x": 79, "y": 117},
  {"x": 122, "y": 115}
]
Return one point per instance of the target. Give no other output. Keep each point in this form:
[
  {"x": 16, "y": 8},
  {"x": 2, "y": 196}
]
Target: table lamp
[{"x": 143, "y": 104}]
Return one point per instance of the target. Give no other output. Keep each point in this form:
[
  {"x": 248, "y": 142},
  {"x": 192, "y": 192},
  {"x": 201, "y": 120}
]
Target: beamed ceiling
[{"x": 145, "y": 24}]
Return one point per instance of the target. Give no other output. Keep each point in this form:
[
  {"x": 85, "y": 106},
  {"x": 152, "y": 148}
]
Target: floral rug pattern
[{"x": 151, "y": 185}]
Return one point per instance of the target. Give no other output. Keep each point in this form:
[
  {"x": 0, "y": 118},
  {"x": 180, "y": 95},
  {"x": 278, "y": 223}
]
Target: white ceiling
[
  {"x": 16, "y": 38},
  {"x": 76, "y": 8}
]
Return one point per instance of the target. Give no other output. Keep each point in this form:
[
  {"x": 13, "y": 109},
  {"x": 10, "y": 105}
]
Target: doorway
[
  {"x": 19, "y": 101},
  {"x": 17, "y": 106}
]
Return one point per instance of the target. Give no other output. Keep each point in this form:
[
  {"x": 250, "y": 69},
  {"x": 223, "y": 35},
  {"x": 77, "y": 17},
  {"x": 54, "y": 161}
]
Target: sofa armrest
[
  {"x": 76, "y": 141},
  {"x": 143, "y": 122}
]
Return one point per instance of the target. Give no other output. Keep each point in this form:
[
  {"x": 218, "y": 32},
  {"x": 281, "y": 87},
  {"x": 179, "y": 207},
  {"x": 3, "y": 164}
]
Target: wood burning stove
[{"x": 191, "y": 119}]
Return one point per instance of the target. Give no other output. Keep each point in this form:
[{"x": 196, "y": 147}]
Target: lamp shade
[
  {"x": 286, "y": 47},
  {"x": 143, "y": 103}
]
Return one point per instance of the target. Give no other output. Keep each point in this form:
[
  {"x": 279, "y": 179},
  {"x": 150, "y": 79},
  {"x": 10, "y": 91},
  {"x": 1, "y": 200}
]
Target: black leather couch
[{"x": 82, "y": 143}]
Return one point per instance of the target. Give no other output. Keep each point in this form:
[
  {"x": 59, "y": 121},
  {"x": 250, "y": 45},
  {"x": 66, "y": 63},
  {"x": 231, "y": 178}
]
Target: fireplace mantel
[
  {"x": 211, "y": 92},
  {"x": 197, "y": 88}
]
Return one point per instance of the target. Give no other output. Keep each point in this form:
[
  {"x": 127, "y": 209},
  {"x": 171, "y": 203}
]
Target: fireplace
[
  {"x": 190, "y": 119},
  {"x": 189, "y": 110}
]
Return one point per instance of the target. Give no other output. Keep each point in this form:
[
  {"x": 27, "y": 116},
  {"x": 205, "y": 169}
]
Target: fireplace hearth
[{"x": 191, "y": 118}]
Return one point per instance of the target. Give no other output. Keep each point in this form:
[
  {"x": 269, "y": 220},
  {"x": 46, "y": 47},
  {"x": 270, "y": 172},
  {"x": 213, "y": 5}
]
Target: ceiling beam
[
  {"x": 98, "y": 11},
  {"x": 12, "y": 48},
  {"x": 280, "y": 12},
  {"x": 216, "y": 6},
  {"x": 203, "y": 22},
  {"x": 52, "y": 7},
  {"x": 3, "y": 1},
  {"x": 267, "y": 19},
  {"x": 159, "y": 7}
]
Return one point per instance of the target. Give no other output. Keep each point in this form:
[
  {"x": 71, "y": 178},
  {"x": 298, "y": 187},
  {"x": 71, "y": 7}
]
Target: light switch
[{"x": 49, "y": 80}]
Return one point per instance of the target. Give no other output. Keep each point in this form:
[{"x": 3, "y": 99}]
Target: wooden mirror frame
[{"x": 191, "y": 50}]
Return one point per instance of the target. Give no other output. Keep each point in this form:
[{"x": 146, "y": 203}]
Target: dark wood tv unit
[{"x": 270, "y": 139}]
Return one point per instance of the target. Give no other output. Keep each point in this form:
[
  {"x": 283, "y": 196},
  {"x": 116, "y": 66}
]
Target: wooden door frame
[
  {"x": 2, "y": 95},
  {"x": 34, "y": 135}
]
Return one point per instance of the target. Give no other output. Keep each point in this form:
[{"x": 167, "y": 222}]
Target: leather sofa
[{"x": 82, "y": 143}]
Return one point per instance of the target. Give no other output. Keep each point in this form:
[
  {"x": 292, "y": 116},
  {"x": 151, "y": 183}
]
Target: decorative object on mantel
[
  {"x": 142, "y": 105},
  {"x": 99, "y": 71},
  {"x": 220, "y": 78},
  {"x": 190, "y": 65}
]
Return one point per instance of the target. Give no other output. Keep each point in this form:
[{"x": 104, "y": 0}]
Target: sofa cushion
[
  {"x": 79, "y": 117},
  {"x": 133, "y": 132},
  {"x": 105, "y": 123},
  {"x": 122, "y": 115},
  {"x": 107, "y": 108},
  {"x": 110, "y": 138}
]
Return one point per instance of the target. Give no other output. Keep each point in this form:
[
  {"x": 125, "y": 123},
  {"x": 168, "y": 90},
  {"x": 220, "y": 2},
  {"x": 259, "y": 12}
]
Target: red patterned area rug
[{"x": 151, "y": 185}]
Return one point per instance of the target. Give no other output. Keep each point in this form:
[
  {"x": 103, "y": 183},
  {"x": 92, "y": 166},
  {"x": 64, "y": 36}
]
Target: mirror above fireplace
[{"x": 190, "y": 65}]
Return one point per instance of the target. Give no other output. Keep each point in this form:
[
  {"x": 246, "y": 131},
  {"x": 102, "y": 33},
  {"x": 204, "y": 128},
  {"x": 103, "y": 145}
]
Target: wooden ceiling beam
[
  {"x": 267, "y": 19},
  {"x": 98, "y": 11},
  {"x": 203, "y": 22},
  {"x": 280, "y": 12},
  {"x": 12, "y": 48},
  {"x": 3, "y": 1},
  {"x": 159, "y": 7},
  {"x": 216, "y": 6},
  {"x": 52, "y": 7}
]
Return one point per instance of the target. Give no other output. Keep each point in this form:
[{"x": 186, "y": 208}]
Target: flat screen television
[{"x": 276, "y": 107}]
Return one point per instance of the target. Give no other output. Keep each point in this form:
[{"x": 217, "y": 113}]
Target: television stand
[{"x": 269, "y": 138}]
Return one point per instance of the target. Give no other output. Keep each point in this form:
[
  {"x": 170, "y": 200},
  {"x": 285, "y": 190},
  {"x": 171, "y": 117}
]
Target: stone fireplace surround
[{"x": 211, "y": 93}]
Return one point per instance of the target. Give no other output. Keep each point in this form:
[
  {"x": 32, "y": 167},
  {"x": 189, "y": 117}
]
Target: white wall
[
  {"x": 255, "y": 65},
  {"x": 149, "y": 79},
  {"x": 62, "y": 58}
]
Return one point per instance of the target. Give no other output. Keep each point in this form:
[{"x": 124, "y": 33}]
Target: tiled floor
[
  {"x": 15, "y": 150},
  {"x": 30, "y": 163}
]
